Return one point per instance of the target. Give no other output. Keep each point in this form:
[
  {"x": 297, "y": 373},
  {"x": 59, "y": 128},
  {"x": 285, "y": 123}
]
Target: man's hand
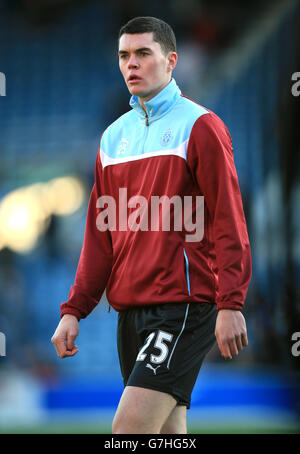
[
  {"x": 231, "y": 332},
  {"x": 64, "y": 337}
]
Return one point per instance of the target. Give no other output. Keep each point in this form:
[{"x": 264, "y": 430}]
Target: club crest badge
[
  {"x": 166, "y": 138},
  {"x": 123, "y": 147}
]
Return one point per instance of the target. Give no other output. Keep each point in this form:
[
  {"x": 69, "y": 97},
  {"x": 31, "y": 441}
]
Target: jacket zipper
[
  {"x": 145, "y": 133},
  {"x": 187, "y": 271}
]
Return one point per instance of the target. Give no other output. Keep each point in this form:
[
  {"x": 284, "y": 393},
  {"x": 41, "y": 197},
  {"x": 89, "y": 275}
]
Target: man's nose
[{"x": 133, "y": 62}]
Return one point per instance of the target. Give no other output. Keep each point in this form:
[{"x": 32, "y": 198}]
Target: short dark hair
[{"x": 162, "y": 32}]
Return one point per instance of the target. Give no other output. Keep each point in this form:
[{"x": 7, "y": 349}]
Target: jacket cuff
[
  {"x": 232, "y": 306},
  {"x": 79, "y": 303},
  {"x": 65, "y": 309}
]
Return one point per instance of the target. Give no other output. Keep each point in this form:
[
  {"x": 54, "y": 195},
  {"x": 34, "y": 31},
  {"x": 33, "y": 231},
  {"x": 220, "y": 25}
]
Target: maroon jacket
[{"x": 178, "y": 149}]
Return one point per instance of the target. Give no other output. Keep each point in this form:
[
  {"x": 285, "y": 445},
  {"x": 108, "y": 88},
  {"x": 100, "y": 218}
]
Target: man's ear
[{"x": 172, "y": 60}]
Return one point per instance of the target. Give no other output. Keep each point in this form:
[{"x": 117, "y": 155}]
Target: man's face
[{"x": 144, "y": 66}]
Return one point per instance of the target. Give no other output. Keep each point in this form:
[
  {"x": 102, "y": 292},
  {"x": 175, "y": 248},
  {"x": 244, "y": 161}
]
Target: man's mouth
[{"x": 133, "y": 79}]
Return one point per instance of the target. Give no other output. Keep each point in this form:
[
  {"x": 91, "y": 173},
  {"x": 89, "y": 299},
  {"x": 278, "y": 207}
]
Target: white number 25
[{"x": 161, "y": 338}]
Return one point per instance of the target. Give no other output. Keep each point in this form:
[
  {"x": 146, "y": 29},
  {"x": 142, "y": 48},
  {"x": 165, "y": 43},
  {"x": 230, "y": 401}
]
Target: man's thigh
[
  {"x": 176, "y": 421},
  {"x": 142, "y": 410}
]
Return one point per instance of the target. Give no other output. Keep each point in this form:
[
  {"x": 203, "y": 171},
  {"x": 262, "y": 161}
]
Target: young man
[{"x": 175, "y": 293}]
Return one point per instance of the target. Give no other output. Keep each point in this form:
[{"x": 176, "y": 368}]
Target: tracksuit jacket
[{"x": 177, "y": 148}]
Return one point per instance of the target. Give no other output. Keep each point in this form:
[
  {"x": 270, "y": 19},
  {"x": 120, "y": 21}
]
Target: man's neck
[{"x": 147, "y": 98}]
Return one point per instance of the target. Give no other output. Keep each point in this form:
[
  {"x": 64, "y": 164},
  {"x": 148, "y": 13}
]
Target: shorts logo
[
  {"x": 166, "y": 137},
  {"x": 151, "y": 367}
]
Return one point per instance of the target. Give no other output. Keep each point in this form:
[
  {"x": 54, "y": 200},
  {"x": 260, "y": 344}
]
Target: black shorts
[{"x": 162, "y": 346}]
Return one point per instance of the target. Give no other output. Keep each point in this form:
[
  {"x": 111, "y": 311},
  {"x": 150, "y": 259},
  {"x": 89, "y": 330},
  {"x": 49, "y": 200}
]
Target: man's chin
[{"x": 136, "y": 92}]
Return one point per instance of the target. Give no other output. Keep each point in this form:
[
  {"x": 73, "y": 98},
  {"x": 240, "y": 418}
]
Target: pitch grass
[{"x": 105, "y": 429}]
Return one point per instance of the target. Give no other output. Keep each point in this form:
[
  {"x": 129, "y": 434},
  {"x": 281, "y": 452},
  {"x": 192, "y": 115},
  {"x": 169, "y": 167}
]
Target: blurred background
[{"x": 60, "y": 88}]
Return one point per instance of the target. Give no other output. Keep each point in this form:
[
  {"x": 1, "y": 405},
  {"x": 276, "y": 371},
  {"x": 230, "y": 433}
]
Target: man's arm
[
  {"x": 211, "y": 160},
  {"x": 92, "y": 274},
  {"x": 95, "y": 260}
]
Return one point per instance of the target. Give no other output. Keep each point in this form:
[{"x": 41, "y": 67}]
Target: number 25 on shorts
[{"x": 160, "y": 343}]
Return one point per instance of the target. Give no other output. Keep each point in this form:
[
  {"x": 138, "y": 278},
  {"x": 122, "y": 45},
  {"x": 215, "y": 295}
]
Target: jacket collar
[{"x": 160, "y": 104}]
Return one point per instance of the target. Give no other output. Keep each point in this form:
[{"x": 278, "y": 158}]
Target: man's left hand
[{"x": 231, "y": 332}]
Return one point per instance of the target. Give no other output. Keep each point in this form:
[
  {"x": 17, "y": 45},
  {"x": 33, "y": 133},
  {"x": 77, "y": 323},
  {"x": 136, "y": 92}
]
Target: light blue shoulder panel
[{"x": 129, "y": 137}]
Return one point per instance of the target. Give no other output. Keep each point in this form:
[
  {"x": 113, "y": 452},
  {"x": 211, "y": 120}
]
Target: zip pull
[{"x": 147, "y": 119}]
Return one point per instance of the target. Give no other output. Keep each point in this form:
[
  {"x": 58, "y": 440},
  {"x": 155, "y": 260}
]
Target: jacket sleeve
[
  {"x": 95, "y": 260},
  {"x": 211, "y": 160}
]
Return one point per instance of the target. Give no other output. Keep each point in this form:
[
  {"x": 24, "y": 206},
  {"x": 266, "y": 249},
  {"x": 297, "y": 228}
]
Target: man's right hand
[{"x": 64, "y": 337}]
